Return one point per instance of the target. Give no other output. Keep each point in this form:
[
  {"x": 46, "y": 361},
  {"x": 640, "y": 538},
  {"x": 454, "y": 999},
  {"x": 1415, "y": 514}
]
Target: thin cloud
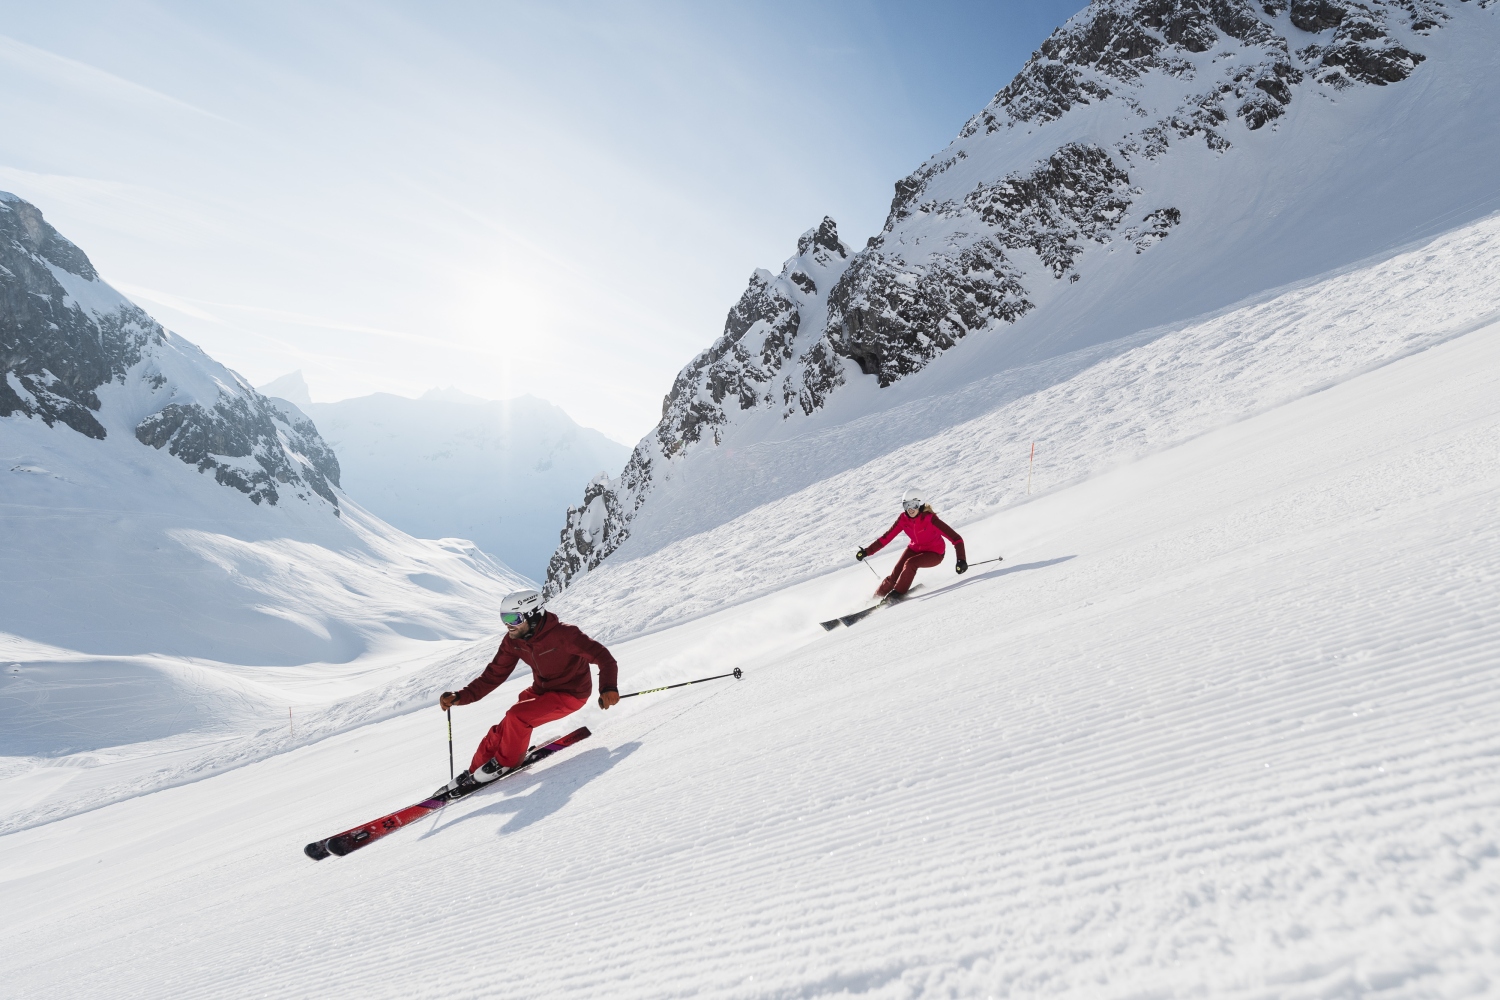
[{"x": 60, "y": 70}]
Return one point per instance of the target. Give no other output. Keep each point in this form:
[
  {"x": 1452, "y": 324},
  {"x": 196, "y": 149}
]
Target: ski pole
[
  {"x": 983, "y": 561},
  {"x": 737, "y": 673},
  {"x": 450, "y": 744}
]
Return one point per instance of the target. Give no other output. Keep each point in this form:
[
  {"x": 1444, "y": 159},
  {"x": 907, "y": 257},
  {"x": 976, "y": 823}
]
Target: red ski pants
[
  {"x": 509, "y": 741},
  {"x": 906, "y": 567}
]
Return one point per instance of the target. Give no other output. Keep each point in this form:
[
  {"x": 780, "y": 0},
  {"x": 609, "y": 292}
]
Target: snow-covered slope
[
  {"x": 1087, "y": 411},
  {"x": 453, "y": 465},
  {"x": 174, "y": 541},
  {"x": 1221, "y": 725},
  {"x": 1152, "y": 162}
]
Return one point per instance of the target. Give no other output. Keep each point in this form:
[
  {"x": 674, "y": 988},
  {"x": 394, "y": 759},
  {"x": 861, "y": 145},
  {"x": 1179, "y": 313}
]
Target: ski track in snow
[{"x": 1222, "y": 724}]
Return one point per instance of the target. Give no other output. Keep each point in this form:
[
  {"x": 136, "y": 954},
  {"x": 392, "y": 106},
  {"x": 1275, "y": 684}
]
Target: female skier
[{"x": 925, "y": 531}]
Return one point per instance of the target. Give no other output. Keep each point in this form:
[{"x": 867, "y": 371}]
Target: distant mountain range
[
  {"x": 1153, "y": 161},
  {"x": 449, "y": 464}
]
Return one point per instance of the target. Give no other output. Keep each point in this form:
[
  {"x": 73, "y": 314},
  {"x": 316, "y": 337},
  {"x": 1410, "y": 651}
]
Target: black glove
[
  {"x": 859, "y": 553},
  {"x": 960, "y": 566}
]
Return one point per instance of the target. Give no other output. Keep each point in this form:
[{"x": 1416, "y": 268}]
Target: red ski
[{"x": 353, "y": 840}]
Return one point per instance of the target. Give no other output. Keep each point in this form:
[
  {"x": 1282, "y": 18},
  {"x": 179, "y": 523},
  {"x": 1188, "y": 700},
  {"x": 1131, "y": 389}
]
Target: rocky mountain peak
[
  {"x": 291, "y": 387},
  {"x": 22, "y": 224},
  {"x": 57, "y": 347},
  {"x": 824, "y": 236},
  {"x": 68, "y": 341},
  {"x": 1077, "y": 166}
]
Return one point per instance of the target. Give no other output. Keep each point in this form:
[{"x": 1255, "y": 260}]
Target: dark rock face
[
  {"x": 765, "y": 360},
  {"x": 1108, "y": 47},
  {"x": 594, "y": 530},
  {"x": 891, "y": 318},
  {"x": 908, "y": 189},
  {"x": 55, "y": 354},
  {"x": 1360, "y": 49},
  {"x": 1316, "y": 15},
  {"x": 963, "y": 250},
  {"x": 597, "y": 526},
  {"x": 1153, "y": 228},
  {"x": 751, "y": 364},
  {"x": 1077, "y": 194},
  {"x": 246, "y": 427},
  {"x": 733, "y": 366},
  {"x": 1114, "y": 43},
  {"x": 64, "y": 335}
]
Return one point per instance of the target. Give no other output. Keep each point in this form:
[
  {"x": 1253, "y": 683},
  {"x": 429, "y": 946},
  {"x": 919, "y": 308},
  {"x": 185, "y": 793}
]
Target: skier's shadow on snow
[
  {"x": 993, "y": 574},
  {"x": 535, "y": 795}
]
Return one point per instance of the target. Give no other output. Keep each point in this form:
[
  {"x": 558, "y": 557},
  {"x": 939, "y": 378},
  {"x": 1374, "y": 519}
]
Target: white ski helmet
[
  {"x": 522, "y": 604},
  {"x": 913, "y": 499}
]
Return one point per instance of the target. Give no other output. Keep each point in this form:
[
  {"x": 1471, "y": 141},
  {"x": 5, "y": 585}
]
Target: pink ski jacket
[{"x": 926, "y": 532}]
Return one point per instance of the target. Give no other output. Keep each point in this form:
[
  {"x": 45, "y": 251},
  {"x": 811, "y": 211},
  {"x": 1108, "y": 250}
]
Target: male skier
[{"x": 559, "y": 656}]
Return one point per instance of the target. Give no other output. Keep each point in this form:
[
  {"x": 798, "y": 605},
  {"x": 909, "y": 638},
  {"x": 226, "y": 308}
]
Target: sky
[{"x": 561, "y": 199}]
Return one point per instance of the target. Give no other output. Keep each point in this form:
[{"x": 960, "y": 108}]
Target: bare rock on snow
[
  {"x": 65, "y": 335},
  {"x": 268, "y": 440},
  {"x": 56, "y": 352}
]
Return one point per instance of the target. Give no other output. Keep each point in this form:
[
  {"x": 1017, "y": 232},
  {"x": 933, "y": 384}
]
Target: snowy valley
[
  {"x": 445, "y": 465},
  {"x": 1220, "y": 723}
]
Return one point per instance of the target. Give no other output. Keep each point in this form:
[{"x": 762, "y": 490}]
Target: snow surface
[{"x": 1221, "y": 724}]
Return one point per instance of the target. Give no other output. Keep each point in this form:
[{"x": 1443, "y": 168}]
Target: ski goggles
[
  {"x": 512, "y": 618},
  {"x": 912, "y": 508}
]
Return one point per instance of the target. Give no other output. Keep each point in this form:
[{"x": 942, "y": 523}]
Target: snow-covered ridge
[
  {"x": 78, "y": 353},
  {"x": 1154, "y": 160}
]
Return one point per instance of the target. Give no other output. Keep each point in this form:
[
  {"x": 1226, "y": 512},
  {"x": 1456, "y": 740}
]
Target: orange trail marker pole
[{"x": 1029, "y": 466}]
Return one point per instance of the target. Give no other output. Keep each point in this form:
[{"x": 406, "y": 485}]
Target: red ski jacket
[
  {"x": 926, "y": 532},
  {"x": 559, "y": 656}
]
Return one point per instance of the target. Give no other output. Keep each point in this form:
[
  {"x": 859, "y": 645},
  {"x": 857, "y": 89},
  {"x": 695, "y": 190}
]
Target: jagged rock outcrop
[
  {"x": 978, "y": 236},
  {"x": 593, "y": 531},
  {"x": 55, "y": 351},
  {"x": 68, "y": 341},
  {"x": 1106, "y": 50},
  {"x": 766, "y": 359},
  {"x": 751, "y": 365},
  {"x": 248, "y": 443}
]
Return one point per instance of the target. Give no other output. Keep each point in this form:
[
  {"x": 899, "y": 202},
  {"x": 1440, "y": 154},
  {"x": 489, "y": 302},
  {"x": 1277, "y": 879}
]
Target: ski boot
[
  {"x": 492, "y": 769},
  {"x": 460, "y": 786}
]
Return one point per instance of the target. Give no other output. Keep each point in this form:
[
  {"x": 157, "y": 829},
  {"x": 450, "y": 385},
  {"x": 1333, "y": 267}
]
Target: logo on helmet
[{"x": 523, "y": 605}]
